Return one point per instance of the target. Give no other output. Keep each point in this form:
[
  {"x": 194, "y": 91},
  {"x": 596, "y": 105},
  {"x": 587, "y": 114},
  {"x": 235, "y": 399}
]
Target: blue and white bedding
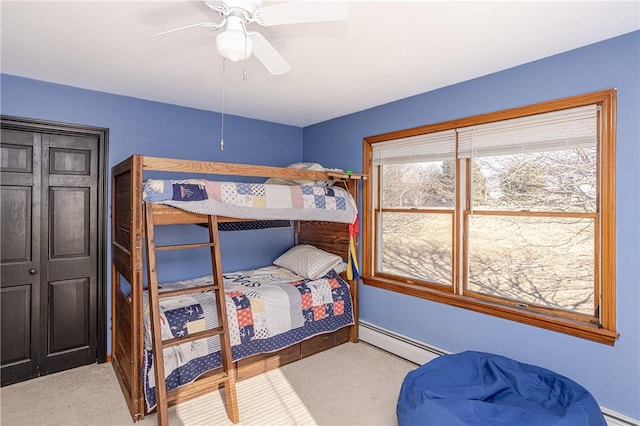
[
  {"x": 268, "y": 309},
  {"x": 253, "y": 200}
]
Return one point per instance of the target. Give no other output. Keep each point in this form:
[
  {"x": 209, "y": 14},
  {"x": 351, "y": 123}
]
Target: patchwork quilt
[
  {"x": 268, "y": 309},
  {"x": 254, "y": 200}
]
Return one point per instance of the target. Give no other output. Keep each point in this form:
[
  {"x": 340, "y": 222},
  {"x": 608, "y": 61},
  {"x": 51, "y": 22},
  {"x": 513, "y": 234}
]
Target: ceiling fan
[{"x": 235, "y": 43}]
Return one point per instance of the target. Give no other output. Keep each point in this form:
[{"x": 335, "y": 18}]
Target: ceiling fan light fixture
[{"x": 234, "y": 45}]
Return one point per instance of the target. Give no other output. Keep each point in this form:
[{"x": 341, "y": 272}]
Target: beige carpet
[{"x": 352, "y": 384}]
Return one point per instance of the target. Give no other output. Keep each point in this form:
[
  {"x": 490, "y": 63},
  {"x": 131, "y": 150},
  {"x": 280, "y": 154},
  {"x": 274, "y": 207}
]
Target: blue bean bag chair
[{"x": 475, "y": 388}]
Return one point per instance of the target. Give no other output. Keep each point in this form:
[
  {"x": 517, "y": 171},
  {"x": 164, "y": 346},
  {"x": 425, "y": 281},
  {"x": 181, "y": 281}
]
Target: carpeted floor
[{"x": 352, "y": 384}]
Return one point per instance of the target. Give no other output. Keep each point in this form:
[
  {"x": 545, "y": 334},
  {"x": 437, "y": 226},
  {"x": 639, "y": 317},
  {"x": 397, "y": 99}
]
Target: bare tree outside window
[
  {"x": 416, "y": 243},
  {"x": 543, "y": 260},
  {"x": 560, "y": 181}
]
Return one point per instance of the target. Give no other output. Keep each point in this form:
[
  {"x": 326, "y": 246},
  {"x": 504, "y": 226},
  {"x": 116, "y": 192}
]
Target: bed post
[
  {"x": 353, "y": 186},
  {"x": 126, "y": 261}
]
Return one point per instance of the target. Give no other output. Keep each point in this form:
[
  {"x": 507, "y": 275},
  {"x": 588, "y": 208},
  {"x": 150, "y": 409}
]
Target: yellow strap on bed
[{"x": 353, "y": 270}]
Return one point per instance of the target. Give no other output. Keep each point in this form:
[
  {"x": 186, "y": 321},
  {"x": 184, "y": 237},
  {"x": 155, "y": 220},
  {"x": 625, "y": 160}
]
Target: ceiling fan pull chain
[
  {"x": 247, "y": 40},
  {"x": 224, "y": 61}
]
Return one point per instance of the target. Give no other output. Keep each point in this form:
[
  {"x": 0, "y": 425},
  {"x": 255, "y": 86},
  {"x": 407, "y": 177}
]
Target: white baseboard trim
[
  {"x": 421, "y": 353},
  {"x": 614, "y": 418},
  {"x": 402, "y": 346}
]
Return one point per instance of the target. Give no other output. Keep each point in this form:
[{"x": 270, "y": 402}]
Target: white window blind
[
  {"x": 557, "y": 130},
  {"x": 437, "y": 146}
]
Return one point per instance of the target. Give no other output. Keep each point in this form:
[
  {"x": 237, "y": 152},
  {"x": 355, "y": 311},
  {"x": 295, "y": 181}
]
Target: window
[{"x": 510, "y": 213}]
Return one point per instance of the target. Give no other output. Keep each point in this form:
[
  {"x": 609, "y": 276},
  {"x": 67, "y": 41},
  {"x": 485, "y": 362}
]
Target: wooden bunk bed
[{"x": 127, "y": 263}]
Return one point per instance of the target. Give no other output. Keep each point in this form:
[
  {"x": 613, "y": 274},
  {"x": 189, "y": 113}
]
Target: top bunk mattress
[{"x": 253, "y": 200}]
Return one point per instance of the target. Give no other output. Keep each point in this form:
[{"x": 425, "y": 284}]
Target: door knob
[{"x": 32, "y": 271}]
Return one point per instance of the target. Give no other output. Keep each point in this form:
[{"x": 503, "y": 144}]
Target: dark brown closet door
[
  {"x": 20, "y": 254},
  {"x": 69, "y": 221},
  {"x": 49, "y": 253}
]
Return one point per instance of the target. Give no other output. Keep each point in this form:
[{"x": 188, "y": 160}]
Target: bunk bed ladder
[{"x": 226, "y": 377}]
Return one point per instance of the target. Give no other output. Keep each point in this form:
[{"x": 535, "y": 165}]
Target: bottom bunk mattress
[{"x": 268, "y": 309}]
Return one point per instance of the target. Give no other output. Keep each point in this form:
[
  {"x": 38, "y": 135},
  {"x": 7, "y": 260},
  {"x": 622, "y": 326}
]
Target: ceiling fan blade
[
  {"x": 268, "y": 55},
  {"x": 302, "y": 11},
  {"x": 219, "y": 6},
  {"x": 209, "y": 25}
]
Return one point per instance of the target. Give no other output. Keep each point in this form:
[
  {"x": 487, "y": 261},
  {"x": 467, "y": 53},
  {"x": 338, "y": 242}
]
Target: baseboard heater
[
  {"x": 402, "y": 346},
  {"x": 421, "y": 353}
]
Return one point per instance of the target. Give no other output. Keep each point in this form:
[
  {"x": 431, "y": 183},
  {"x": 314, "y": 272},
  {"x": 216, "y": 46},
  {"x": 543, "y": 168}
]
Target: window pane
[
  {"x": 417, "y": 246},
  {"x": 563, "y": 181},
  {"x": 419, "y": 185},
  {"x": 548, "y": 261}
]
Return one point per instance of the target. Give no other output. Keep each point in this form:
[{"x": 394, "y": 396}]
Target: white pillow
[
  {"x": 304, "y": 182},
  {"x": 309, "y": 261}
]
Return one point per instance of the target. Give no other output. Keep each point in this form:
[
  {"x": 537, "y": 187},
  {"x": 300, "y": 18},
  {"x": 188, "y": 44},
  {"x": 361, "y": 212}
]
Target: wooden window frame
[{"x": 603, "y": 332}]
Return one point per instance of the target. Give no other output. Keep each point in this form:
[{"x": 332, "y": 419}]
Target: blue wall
[
  {"x": 142, "y": 127},
  {"x": 612, "y": 374}
]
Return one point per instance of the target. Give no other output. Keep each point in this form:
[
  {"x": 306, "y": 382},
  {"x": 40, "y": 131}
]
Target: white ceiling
[{"x": 386, "y": 50}]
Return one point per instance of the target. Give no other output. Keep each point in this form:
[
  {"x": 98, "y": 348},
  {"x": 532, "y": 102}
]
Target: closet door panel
[
  {"x": 69, "y": 316},
  {"x": 20, "y": 267},
  {"x": 71, "y": 164}
]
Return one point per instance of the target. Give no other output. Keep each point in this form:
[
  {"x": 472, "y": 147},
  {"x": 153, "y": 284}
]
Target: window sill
[{"x": 561, "y": 325}]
